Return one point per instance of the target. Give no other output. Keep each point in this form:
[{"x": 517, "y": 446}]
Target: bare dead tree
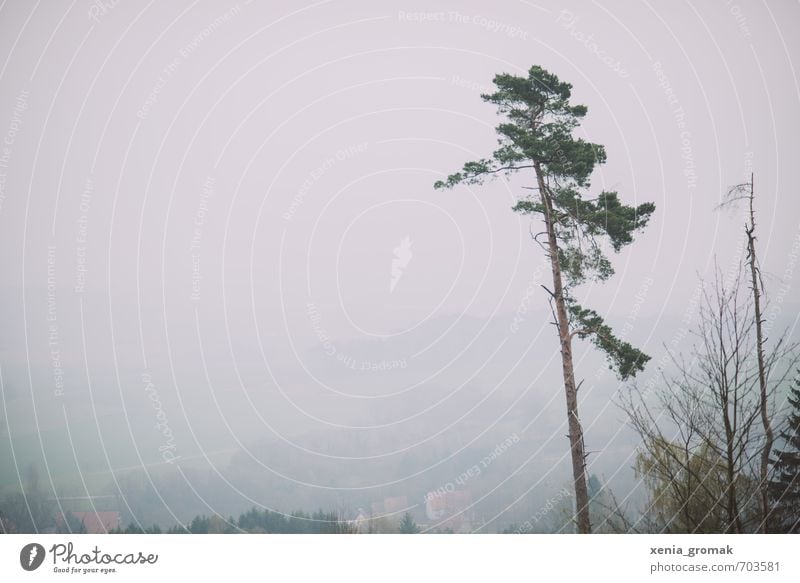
[{"x": 746, "y": 192}]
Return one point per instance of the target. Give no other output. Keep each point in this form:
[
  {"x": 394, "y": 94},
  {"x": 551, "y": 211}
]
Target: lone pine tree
[{"x": 536, "y": 135}]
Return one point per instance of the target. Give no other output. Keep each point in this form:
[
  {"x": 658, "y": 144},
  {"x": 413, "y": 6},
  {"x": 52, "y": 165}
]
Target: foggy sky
[{"x": 227, "y": 209}]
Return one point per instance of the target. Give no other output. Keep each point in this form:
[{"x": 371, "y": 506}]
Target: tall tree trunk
[
  {"x": 570, "y": 388},
  {"x": 769, "y": 437},
  {"x": 734, "y": 518}
]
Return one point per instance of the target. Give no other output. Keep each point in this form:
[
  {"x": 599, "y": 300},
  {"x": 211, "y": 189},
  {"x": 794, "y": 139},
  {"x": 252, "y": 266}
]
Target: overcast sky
[{"x": 234, "y": 202}]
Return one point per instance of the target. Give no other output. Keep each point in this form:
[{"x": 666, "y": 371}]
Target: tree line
[{"x": 707, "y": 455}]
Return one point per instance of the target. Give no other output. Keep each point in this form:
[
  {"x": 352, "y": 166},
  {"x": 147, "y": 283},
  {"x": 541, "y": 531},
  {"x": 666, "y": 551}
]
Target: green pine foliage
[
  {"x": 784, "y": 488},
  {"x": 536, "y": 134},
  {"x": 407, "y": 525}
]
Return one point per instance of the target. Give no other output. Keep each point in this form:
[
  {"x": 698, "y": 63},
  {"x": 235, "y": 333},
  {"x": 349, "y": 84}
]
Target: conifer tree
[
  {"x": 536, "y": 138},
  {"x": 784, "y": 487},
  {"x": 407, "y": 525}
]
